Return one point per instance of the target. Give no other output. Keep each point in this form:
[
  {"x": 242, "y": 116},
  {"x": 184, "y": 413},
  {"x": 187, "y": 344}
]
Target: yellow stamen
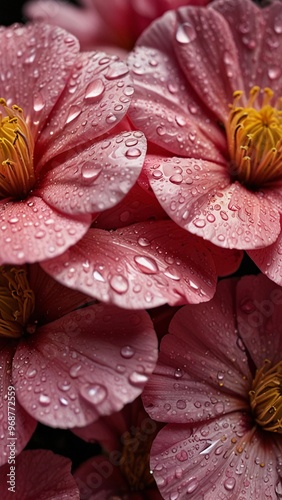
[
  {"x": 254, "y": 136},
  {"x": 16, "y": 301},
  {"x": 134, "y": 461},
  {"x": 16, "y": 153},
  {"x": 266, "y": 397}
]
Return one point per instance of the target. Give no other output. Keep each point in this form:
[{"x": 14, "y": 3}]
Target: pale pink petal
[
  {"x": 32, "y": 231},
  {"x": 85, "y": 24},
  {"x": 226, "y": 261},
  {"x": 40, "y": 475},
  {"x": 95, "y": 99},
  {"x": 91, "y": 363},
  {"x": 104, "y": 174},
  {"x": 137, "y": 206},
  {"x": 269, "y": 260},
  {"x": 127, "y": 268},
  {"x": 257, "y": 35},
  {"x": 164, "y": 106},
  {"x": 22, "y": 425},
  {"x": 202, "y": 370},
  {"x": 205, "y": 461},
  {"x": 198, "y": 195},
  {"x": 39, "y": 58},
  {"x": 208, "y": 56},
  {"x": 259, "y": 317}
]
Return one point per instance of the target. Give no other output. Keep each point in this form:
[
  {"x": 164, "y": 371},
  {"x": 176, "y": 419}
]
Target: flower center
[
  {"x": 16, "y": 301},
  {"x": 135, "y": 458},
  {"x": 16, "y": 153},
  {"x": 266, "y": 397},
  {"x": 254, "y": 136}
]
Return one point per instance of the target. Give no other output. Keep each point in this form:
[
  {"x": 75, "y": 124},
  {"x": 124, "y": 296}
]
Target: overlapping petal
[
  {"x": 139, "y": 266},
  {"x": 40, "y": 474},
  {"x": 206, "y": 460},
  {"x": 91, "y": 363}
]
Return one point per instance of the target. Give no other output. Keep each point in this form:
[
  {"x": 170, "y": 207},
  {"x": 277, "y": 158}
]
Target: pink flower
[
  {"x": 206, "y": 83},
  {"x": 142, "y": 259},
  {"x": 218, "y": 386},
  {"x": 62, "y": 365},
  {"x": 94, "y": 23},
  {"x": 38, "y": 474},
  {"x": 64, "y": 153},
  {"x": 124, "y": 471}
]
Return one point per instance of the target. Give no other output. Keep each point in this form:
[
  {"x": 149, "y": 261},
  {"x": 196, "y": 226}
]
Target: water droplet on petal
[
  {"x": 185, "y": 33},
  {"x": 117, "y": 70},
  {"x": 146, "y": 264},
  {"x": 95, "y": 393},
  {"x": 73, "y": 113},
  {"x": 38, "y": 103},
  {"x": 127, "y": 352},
  {"x": 133, "y": 153},
  {"x": 229, "y": 483},
  {"x": 44, "y": 400},
  {"x": 143, "y": 242},
  {"x": 119, "y": 283},
  {"x": 274, "y": 72},
  {"x": 75, "y": 370},
  {"x": 192, "y": 485},
  {"x": 95, "y": 89},
  {"x": 90, "y": 172},
  {"x": 136, "y": 378}
]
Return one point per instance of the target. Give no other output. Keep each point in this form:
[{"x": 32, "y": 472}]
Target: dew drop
[
  {"x": 44, "y": 400},
  {"x": 185, "y": 33},
  {"x": 95, "y": 393},
  {"x": 133, "y": 153},
  {"x": 119, "y": 283},
  {"x": 116, "y": 71},
  {"x": 192, "y": 485},
  {"x": 176, "y": 179},
  {"x": 31, "y": 372},
  {"x": 75, "y": 370},
  {"x": 95, "y": 89},
  {"x": 127, "y": 352},
  {"x": 90, "y": 172},
  {"x": 146, "y": 264},
  {"x": 229, "y": 483},
  {"x": 274, "y": 72},
  {"x": 38, "y": 102},
  {"x": 73, "y": 113},
  {"x": 143, "y": 242},
  {"x": 199, "y": 223},
  {"x": 136, "y": 378}
]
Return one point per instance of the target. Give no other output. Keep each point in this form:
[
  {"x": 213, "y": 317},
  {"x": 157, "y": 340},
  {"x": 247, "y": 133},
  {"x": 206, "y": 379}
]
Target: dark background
[{"x": 11, "y": 11}]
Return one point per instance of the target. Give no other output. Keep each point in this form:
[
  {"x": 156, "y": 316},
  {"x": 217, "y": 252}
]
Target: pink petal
[
  {"x": 16, "y": 426},
  {"x": 259, "y": 317},
  {"x": 126, "y": 267},
  {"x": 208, "y": 56},
  {"x": 104, "y": 174},
  {"x": 256, "y": 33},
  {"x": 42, "y": 475},
  {"x": 202, "y": 370},
  {"x": 198, "y": 195},
  {"x": 163, "y": 105},
  {"x": 95, "y": 99},
  {"x": 205, "y": 461},
  {"x": 226, "y": 261},
  {"x": 137, "y": 206},
  {"x": 91, "y": 363},
  {"x": 269, "y": 260},
  {"x": 39, "y": 58},
  {"x": 32, "y": 231}
]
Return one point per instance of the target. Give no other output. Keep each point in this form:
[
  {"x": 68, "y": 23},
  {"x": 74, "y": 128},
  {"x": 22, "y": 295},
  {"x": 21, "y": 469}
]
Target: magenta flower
[
  {"x": 218, "y": 386},
  {"x": 94, "y": 23},
  {"x": 123, "y": 471},
  {"x": 63, "y": 154},
  {"x": 62, "y": 365},
  {"x": 40, "y": 475},
  {"x": 208, "y": 91}
]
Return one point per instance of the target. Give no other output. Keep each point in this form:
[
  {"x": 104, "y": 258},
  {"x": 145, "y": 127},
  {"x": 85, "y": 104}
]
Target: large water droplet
[
  {"x": 73, "y": 113},
  {"x": 127, "y": 352},
  {"x": 95, "y": 89},
  {"x": 38, "y": 103},
  {"x": 94, "y": 393},
  {"x": 117, "y": 70},
  {"x": 146, "y": 264},
  {"x": 185, "y": 33},
  {"x": 44, "y": 400},
  {"x": 229, "y": 483},
  {"x": 119, "y": 283},
  {"x": 90, "y": 172}
]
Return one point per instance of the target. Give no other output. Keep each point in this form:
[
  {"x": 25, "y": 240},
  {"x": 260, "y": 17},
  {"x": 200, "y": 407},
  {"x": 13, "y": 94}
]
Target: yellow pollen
[
  {"x": 134, "y": 462},
  {"x": 254, "y": 137},
  {"x": 16, "y": 301},
  {"x": 16, "y": 153},
  {"x": 266, "y": 397}
]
